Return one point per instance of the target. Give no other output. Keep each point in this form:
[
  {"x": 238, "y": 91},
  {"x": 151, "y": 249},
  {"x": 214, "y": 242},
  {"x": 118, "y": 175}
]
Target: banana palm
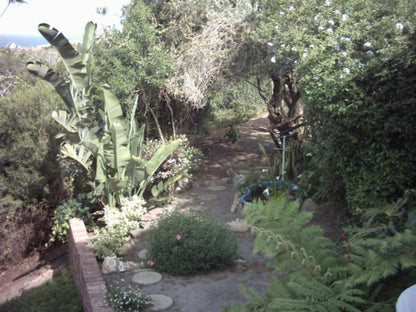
[{"x": 111, "y": 156}]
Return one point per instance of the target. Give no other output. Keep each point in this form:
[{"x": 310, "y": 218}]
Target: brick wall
[{"x": 85, "y": 270}]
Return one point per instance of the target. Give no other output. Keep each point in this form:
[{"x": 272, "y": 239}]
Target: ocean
[{"x": 26, "y": 41}]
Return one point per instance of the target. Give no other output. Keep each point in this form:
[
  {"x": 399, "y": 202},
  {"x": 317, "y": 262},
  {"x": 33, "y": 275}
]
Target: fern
[{"x": 359, "y": 273}]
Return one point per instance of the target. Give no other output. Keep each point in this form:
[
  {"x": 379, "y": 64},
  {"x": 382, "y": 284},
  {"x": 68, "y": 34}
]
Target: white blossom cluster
[{"x": 336, "y": 24}]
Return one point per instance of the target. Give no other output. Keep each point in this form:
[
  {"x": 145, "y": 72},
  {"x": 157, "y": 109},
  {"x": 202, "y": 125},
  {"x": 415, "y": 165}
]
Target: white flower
[
  {"x": 331, "y": 22},
  {"x": 294, "y": 49},
  {"x": 321, "y": 27},
  {"x": 282, "y": 13},
  {"x": 344, "y": 17},
  {"x": 368, "y": 27},
  {"x": 330, "y": 30},
  {"x": 292, "y": 8},
  {"x": 346, "y": 70},
  {"x": 305, "y": 55},
  {"x": 368, "y": 44},
  {"x": 361, "y": 65},
  {"x": 400, "y": 26},
  {"x": 337, "y": 47},
  {"x": 270, "y": 44},
  {"x": 337, "y": 11},
  {"x": 283, "y": 45},
  {"x": 273, "y": 59},
  {"x": 327, "y": 2},
  {"x": 371, "y": 53},
  {"x": 345, "y": 38},
  {"x": 344, "y": 53}
]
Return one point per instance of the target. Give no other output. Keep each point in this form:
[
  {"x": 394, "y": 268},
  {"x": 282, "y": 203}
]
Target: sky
[{"x": 68, "y": 16}]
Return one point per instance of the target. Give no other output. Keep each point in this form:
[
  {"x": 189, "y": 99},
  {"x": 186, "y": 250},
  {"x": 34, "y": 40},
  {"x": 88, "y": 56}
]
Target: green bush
[{"x": 184, "y": 243}]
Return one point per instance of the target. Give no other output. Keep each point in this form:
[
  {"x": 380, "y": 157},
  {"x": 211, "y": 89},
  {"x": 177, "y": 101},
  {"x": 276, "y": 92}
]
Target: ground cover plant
[{"x": 185, "y": 243}]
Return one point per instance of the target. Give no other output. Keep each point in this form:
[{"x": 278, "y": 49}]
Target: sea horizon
[{"x": 26, "y": 41}]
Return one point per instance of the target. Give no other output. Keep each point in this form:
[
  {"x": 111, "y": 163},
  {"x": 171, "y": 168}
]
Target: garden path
[{"x": 212, "y": 190}]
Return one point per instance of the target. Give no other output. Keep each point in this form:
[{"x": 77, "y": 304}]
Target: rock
[
  {"x": 217, "y": 188},
  {"x": 137, "y": 233},
  {"x": 207, "y": 197},
  {"x": 143, "y": 254},
  {"x": 146, "y": 277},
  {"x": 407, "y": 300},
  {"x": 309, "y": 205},
  {"x": 238, "y": 180},
  {"x": 238, "y": 225},
  {"x": 112, "y": 264},
  {"x": 230, "y": 172},
  {"x": 127, "y": 266},
  {"x": 236, "y": 202},
  {"x": 160, "y": 302},
  {"x": 183, "y": 185}
]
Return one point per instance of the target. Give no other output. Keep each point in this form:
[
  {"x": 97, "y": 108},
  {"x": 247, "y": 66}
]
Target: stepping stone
[
  {"x": 143, "y": 254},
  {"x": 207, "y": 197},
  {"x": 160, "y": 302},
  {"x": 217, "y": 188},
  {"x": 238, "y": 225},
  {"x": 146, "y": 277}
]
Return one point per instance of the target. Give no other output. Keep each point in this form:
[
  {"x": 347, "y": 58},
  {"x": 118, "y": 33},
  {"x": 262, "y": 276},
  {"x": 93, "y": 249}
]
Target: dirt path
[{"x": 213, "y": 191}]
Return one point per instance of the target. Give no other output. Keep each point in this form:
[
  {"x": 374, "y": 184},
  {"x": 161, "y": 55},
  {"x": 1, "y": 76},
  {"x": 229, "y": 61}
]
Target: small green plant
[
  {"x": 70, "y": 208},
  {"x": 127, "y": 298},
  {"x": 185, "y": 243}
]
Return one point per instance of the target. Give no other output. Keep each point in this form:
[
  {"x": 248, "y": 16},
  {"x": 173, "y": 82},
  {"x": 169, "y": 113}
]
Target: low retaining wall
[{"x": 85, "y": 271}]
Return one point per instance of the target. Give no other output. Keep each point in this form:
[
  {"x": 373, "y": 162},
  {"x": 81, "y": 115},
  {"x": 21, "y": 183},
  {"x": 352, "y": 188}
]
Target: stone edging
[{"x": 85, "y": 271}]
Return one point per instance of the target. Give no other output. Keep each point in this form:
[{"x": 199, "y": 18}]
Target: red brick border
[{"x": 85, "y": 271}]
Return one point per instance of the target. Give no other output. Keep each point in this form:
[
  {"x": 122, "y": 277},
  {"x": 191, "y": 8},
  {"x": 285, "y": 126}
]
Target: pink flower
[
  {"x": 150, "y": 262},
  {"x": 178, "y": 236},
  {"x": 202, "y": 203}
]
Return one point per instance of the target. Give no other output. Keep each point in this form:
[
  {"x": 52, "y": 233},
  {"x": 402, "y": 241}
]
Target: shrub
[{"x": 184, "y": 243}]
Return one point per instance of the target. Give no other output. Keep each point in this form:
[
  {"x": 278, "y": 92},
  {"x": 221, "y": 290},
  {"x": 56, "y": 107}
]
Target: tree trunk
[{"x": 280, "y": 122}]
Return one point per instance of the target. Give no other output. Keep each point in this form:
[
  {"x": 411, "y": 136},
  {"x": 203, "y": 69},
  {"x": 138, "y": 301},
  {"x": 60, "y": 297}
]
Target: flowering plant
[{"x": 127, "y": 299}]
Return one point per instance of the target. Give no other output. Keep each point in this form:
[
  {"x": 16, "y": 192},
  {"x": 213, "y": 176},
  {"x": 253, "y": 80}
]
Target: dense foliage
[
  {"x": 184, "y": 243},
  {"x": 354, "y": 63}
]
